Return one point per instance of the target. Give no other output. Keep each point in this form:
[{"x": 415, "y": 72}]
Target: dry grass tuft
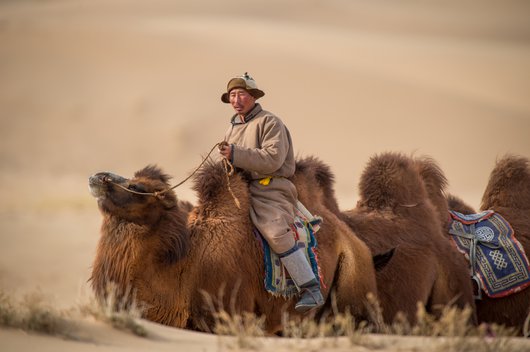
[
  {"x": 7, "y": 311},
  {"x": 34, "y": 314},
  {"x": 453, "y": 322},
  {"x": 452, "y": 331},
  {"x": 526, "y": 326},
  {"x": 246, "y": 328},
  {"x": 116, "y": 312}
]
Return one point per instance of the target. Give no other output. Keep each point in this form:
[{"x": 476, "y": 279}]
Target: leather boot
[
  {"x": 298, "y": 267},
  {"x": 311, "y": 297}
]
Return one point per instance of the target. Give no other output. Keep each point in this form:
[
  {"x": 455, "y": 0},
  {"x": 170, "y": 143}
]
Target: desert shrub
[
  {"x": 33, "y": 313},
  {"x": 116, "y": 312},
  {"x": 452, "y": 331}
]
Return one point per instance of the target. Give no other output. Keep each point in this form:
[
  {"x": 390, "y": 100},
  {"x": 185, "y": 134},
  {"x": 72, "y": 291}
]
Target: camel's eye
[{"x": 137, "y": 188}]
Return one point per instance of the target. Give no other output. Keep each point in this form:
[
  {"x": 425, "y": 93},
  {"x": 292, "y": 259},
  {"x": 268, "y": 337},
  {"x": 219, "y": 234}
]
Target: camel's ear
[{"x": 167, "y": 201}]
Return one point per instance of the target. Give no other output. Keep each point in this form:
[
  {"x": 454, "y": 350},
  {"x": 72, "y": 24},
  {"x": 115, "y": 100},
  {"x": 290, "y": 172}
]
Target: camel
[
  {"x": 395, "y": 212},
  {"x": 508, "y": 194},
  {"x": 183, "y": 269}
]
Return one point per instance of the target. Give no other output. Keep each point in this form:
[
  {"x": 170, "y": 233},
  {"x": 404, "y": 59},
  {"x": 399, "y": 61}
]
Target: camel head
[
  {"x": 389, "y": 181},
  {"x": 116, "y": 201},
  {"x": 509, "y": 184}
]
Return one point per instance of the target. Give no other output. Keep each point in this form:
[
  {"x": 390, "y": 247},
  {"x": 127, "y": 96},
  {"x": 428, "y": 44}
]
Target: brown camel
[
  {"x": 394, "y": 212},
  {"x": 182, "y": 273},
  {"x": 508, "y": 194}
]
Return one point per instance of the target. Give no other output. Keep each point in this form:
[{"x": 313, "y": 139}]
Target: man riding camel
[{"x": 258, "y": 142}]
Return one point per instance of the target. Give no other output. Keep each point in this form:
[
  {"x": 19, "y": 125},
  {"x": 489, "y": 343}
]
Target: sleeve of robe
[{"x": 274, "y": 140}]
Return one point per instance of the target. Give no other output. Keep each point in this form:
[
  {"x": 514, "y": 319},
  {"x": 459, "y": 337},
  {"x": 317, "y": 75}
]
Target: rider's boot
[{"x": 298, "y": 267}]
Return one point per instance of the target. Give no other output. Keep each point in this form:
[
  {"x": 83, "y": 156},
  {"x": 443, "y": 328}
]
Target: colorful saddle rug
[
  {"x": 277, "y": 279},
  {"x": 497, "y": 260}
]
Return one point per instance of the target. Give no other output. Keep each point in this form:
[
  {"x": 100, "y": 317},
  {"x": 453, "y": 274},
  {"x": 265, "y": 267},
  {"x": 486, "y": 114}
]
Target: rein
[{"x": 229, "y": 170}]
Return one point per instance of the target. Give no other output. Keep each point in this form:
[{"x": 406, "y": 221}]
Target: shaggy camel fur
[
  {"x": 507, "y": 193},
  {"x": 457, "y": 204},
  {"x": 183, "y": 274},
  {"x": 436, "y": 186},
  {"x": 394, "y": 212}
]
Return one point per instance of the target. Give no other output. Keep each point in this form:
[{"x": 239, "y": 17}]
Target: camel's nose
[
  {"x": 95, "y": 184},
  {"x": 105, "y": 177},
  {"x": 99, "y": 178}
]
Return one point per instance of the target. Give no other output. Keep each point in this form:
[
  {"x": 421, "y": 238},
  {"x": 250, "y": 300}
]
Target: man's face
[{"x": 241, "y": 101}]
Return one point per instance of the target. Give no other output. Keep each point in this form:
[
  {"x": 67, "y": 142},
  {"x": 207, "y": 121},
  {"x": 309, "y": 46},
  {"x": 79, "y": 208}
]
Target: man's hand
[{"x": 225, "y": 150}]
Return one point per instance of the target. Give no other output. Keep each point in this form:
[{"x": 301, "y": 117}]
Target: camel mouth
[{"x": 98, "y": 184}]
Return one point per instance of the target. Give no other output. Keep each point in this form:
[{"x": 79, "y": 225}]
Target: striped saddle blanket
[
  {"x": 497, "y": 260},
  {"x": 277, "y": 279}
]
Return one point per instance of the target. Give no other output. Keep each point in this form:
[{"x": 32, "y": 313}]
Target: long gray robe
[{"x": 262, "y": 145}]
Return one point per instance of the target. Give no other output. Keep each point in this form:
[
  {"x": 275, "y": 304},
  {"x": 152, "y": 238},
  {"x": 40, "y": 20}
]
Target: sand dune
[{"x": 115, "y": 85}]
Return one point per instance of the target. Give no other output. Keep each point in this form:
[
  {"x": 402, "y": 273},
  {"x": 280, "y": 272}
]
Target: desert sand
[{"x": 114, "y": 85}]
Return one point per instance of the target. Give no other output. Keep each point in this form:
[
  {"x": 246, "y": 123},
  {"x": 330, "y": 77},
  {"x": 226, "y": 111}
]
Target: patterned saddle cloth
[
  {"x": 497, "y": 260},
  {"x": 277, "y": 280}
]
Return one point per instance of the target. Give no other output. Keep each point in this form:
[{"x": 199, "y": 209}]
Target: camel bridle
[{"x": 229, "y": 171}]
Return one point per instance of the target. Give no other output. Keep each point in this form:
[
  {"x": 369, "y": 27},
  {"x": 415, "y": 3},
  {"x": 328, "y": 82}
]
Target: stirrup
[{"x": 311, "y": 298}]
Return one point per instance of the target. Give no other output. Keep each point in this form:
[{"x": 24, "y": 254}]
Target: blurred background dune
[{"x": 114, "y": 85}]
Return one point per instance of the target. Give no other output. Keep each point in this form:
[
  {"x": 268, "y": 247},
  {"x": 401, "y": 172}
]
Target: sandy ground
[{"x": 114, "y": 85}]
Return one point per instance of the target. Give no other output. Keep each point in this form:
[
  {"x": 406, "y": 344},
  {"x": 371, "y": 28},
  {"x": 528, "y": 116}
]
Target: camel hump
[
  {"x": 390, "y": 180},
  {"x": 216, "y": 184},
  {"x": 208, "y": 179},
  {"x": 318, "y": 169},
  {"x": 509, "y": 184},
  {"x": 319, "y": 179},
  {"x": 435, "y": 184},
  {"x": 432, "y": 174}
]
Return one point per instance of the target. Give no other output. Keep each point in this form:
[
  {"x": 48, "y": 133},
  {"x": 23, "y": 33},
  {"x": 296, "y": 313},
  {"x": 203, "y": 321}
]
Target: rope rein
[{"x": 229, "y": 171}]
